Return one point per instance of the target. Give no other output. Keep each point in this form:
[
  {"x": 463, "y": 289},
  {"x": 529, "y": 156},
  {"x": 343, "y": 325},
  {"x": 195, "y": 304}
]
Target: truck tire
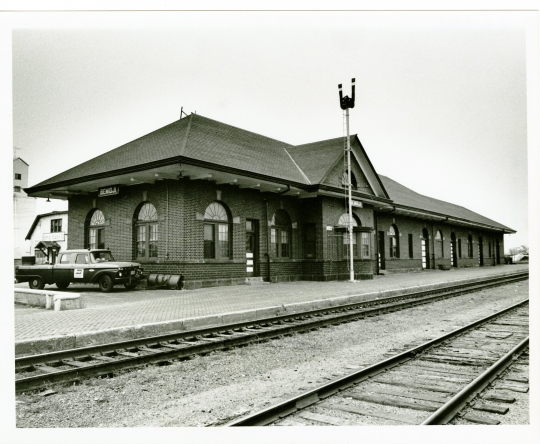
[
  {"x": 36, "y": 283},
  {"x": 105, "y": 283},
  {"x": 62, "y": 285}
]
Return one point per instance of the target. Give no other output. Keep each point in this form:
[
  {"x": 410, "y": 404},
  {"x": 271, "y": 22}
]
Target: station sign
[
  {"x": 59, "y": 236},
  {"x": 357, "y": 203},
  {"x": 109, "y": 191}
]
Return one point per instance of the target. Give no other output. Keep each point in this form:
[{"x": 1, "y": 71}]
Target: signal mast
[{"x": 346, "y": 103}]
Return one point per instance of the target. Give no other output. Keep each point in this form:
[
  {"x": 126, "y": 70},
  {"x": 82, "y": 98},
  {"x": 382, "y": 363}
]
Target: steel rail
[
  {"x": 303, "y": 400},
  {"x": 419, "y": 297},
  {"x": 181, "y": 351},
  {"x": 445, "y": 413}
]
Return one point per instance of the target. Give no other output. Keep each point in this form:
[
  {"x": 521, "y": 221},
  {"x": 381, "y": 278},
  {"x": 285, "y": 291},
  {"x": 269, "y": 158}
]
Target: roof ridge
[
  {"x": 184, "y": 142},
  {"x": 242, "y": 129},
  {"x": 323, "y": 141},
  {"x": 299, "y": 169}
]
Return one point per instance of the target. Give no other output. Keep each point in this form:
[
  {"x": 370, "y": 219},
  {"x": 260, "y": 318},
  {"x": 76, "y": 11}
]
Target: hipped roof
[
  {"x": 407, "y": 198},
  {"x": 202, "y": 139}
]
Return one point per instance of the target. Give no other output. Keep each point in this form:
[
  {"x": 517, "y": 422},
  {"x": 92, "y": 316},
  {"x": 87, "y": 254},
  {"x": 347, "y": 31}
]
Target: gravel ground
[{"x": 213, "y": 389}]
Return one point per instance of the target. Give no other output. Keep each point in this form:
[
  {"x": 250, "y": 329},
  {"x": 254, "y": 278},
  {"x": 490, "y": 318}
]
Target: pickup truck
[{"x": 81, "y": 266}]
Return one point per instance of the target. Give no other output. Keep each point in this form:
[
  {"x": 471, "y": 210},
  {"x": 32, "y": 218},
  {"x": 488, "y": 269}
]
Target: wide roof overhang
[
  {"x": 190, "y": 169},
  {"x": 173, "y": 169}
]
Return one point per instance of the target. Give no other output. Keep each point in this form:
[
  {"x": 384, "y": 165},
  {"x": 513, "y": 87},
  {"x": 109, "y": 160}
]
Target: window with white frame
[
  {"x": 217, "y": 232},
  {"x": 280, "y": 234},
  {"x": 470, "y": 246},
  {"x": 56, "y": 225},
  {"x": 96, "y": 230},
  {"x": 393, "y": 238},
  {"x": 147, "y": 232},
  {"x": 439, "y": 240},
  {"x": 361, "y": 239}
]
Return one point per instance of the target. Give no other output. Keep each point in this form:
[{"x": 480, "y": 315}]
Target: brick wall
[
  {"x": 181, "y": 206},
  {"x": 439, "y": 251}
]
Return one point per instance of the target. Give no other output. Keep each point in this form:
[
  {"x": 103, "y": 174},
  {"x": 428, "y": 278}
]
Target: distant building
[
  {"x": 24, "y": 209},
  {"x": 49, "y": 227}
]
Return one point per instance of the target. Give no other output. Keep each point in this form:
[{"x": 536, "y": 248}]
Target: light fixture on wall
[{"x": 132, "y": 179}]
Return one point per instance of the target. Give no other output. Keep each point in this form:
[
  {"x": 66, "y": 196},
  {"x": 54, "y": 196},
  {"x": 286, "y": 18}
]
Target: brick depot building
[{"x": 216, "y": 204}]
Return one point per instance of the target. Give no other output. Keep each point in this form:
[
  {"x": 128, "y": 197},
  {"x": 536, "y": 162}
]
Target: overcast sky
[{"x": 441, "y": 97}]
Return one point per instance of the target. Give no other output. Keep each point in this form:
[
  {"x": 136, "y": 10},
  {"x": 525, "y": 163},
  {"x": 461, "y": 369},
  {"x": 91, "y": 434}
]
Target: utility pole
[{"x": 346, "y": 103}]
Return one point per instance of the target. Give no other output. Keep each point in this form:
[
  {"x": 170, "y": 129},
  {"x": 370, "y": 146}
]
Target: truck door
[
  {"x": 63, "y": 270},
  {"x": 81, "y": 270}
]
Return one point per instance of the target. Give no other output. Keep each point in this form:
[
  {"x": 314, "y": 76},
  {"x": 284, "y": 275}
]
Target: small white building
[
  {"x": 24, "y": 208},
  {"x": 48, "y": 227}
]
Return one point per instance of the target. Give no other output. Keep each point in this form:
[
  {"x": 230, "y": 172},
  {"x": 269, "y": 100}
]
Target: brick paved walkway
[{"x": 123, "y": 308}]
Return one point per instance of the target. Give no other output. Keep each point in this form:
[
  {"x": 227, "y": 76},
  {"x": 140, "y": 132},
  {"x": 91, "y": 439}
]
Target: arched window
[
  {"x": 280, "y": 234},
  {"x": 95, "y": 228},
  {"x": 393, "y": 237},
  {"x": 439, "y": 240},
  {"x": 146, "y": 231},
  {"x": 470, "y": 246},
  {"x": 359, "y": 237},
  {"x": 216, "y": 232}
]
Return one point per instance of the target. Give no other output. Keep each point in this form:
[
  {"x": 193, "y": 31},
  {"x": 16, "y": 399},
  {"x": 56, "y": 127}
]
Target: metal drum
[{"x": 174, "y": 282}]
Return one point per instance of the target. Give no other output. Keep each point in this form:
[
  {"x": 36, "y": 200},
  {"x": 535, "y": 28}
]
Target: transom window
[
  {"x": 216, "y": 232},
  {"x": 147, "y": 232},
  {"x": 216, "y": 211},
  {"x": 280, "y": 234},
  {"x": 96, "y": 230}
]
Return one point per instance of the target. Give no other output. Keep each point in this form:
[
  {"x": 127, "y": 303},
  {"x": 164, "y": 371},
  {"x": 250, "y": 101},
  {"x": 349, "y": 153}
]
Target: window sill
[
  {"x": 223, "y": 260},
  {"x": 143, "y": 260}
]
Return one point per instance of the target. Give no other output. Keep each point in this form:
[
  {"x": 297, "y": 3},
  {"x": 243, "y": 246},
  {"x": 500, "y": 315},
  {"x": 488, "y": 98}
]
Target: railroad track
[
  {"x": 433, "y": 383},
  {"x": 67, "y": 366}
]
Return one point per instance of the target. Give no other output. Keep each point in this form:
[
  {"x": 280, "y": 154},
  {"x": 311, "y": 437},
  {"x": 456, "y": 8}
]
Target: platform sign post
[{"x": 346, "y": 103}]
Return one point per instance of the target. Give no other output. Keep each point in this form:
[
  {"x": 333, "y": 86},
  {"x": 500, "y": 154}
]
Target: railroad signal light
[{"x": 346, "y": 102}]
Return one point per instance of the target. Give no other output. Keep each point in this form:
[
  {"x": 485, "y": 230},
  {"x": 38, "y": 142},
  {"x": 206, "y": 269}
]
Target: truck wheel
[
  {"x": 36, "y": 283},
  {"x": 62, "y": 285},
  {"x": 105, "y": 283}
]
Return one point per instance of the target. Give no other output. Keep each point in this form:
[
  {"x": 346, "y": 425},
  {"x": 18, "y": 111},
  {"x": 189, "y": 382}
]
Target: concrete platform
[{"x": 124, "y": 314}]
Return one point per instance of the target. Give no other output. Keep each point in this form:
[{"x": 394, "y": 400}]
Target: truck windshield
[{"x": 102, "y": 256}]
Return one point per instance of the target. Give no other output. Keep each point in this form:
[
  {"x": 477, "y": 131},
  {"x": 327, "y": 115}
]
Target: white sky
[
  {"x": 441, "y": 96},
  {"x": 443, "y": 102}
]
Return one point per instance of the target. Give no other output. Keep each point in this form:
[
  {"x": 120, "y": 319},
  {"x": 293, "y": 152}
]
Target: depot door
[
  {"x": 481, "y": 252},
  {"x": 453, "y": 253},
  {"x": 252, "y": 246},
  {"x": 425, "y": 249},
  {"x": 382, "y": 264}
]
